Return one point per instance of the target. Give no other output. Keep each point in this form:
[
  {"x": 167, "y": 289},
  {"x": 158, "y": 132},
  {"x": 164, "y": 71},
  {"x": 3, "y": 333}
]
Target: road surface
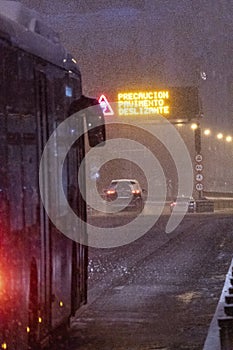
[{"x": 159, "y": 292}]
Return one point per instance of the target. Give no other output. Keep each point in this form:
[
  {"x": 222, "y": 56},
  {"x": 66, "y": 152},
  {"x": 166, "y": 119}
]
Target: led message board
[
  {"x": 143, "y": 103},
  {"x": 173, "y": 103}
]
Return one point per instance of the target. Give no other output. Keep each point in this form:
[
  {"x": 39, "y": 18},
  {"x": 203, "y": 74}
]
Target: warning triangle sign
[{"x": 104, "y": 104}]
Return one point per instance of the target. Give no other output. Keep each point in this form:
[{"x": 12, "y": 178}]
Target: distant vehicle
[
  {"x": 184, "y": 203},
  {"x": 125, "y": 192}
]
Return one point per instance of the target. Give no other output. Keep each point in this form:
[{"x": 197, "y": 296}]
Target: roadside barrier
[
  {"x": 225, "y": 316},
  {"x": 204, "y": 206}
]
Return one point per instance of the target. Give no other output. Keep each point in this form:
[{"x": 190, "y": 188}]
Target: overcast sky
[{"x": 122, "y": 44}]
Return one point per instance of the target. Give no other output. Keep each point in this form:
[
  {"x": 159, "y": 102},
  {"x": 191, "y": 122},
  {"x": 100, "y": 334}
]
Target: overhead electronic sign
[
  {"x": 173, "y": 103},
  {"x": 143, "y": 103}
]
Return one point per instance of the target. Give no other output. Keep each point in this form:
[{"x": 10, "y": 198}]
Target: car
[
  {"x": 184, "y": 204},
  {"x": 125, "y": 193}
]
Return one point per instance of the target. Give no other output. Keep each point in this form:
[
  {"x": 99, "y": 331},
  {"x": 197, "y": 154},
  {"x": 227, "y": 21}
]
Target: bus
[{"x": 43, "y": 273}]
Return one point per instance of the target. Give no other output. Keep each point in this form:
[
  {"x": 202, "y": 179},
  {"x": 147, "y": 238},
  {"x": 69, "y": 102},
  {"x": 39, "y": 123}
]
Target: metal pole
[{"x": 197, "y": 142}]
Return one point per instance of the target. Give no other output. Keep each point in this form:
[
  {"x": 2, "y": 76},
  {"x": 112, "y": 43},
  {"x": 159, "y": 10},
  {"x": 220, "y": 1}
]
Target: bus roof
[{"x": 25, "y": 29}]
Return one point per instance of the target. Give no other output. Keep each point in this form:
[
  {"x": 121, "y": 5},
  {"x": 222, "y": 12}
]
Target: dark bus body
[{"x": 43, "y": 274}]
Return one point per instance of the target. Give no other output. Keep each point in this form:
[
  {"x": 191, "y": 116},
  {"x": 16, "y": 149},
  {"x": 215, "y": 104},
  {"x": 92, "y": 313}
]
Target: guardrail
[
  {"x": 223, "y": 203},
  {"x": 204, "y": 206},
  {"x": 220, "y": 334},
  {"x": 225, "y": 314},
  {"x": 221, "y": 200}
]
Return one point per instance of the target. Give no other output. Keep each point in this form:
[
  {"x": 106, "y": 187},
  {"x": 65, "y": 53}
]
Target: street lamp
[
  {"x": 194, "y": 126},
  {"x": 207, "y": 132}
]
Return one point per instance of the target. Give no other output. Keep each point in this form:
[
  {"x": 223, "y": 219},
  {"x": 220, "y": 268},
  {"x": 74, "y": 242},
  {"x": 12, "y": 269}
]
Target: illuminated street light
[
  {"x": 228, "y": 138},
  {"x": 207, "y": 132},
  {"x": 220, "y": 136},
  {"x": 194, "y": 126},
  {"x": 179, "y": 123}
]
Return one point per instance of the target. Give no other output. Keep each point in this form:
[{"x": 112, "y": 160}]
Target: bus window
[
  {"x": 94, "y": 119},
  {"x": 95, "y": 127}
]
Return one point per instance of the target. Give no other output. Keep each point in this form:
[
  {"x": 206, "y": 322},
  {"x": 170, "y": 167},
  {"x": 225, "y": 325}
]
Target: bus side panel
[
  {"x": 78, "y": 205},
  {"x": 20, "y": 241},
  {"x": 66, "y": 294},
  {"x": 42, "y": 273}
]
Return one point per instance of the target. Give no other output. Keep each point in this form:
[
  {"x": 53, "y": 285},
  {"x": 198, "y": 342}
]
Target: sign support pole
[{"x": 197, "y": 141}]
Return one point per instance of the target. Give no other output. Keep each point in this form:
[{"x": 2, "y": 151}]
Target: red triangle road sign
[{"x": 104, "y": 104}]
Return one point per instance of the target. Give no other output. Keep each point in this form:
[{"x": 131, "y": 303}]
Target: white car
[{"x": 128, "y": 192}]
